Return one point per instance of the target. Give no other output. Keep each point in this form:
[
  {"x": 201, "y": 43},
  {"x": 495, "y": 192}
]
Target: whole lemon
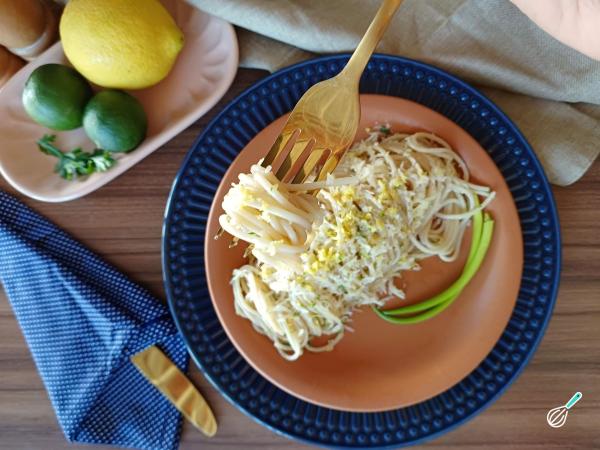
[{"x": 126, "y": 44}]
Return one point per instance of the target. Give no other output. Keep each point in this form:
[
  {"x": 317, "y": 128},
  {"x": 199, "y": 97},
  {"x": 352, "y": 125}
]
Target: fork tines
[{"x": 294, "y": 156}]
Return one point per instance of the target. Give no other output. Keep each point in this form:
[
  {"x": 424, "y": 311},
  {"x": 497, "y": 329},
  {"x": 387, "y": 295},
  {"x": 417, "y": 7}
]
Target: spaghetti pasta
[{"x": 392, "y": 202}]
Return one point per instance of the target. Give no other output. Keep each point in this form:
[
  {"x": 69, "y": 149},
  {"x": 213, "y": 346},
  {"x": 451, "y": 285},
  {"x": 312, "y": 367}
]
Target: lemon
[{"x": 125, "y": 44}]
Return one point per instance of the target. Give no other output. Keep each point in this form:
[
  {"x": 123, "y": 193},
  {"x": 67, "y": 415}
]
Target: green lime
[
  {"x": 55, "y": 96},
  {"x": 115, "y": 121}
]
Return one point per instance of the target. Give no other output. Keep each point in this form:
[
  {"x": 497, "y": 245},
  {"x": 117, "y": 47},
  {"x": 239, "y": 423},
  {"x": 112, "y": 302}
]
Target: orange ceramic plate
[{"x": 382, "y": 366}]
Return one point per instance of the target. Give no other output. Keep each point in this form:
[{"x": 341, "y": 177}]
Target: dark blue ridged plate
[{"x": 183, "y": 250}]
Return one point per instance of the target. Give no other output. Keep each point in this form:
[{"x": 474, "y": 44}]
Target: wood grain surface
[{"x": 122, "y": 223}]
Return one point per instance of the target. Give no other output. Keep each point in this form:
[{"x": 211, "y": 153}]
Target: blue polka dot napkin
[{"x": 82, "y": 320}]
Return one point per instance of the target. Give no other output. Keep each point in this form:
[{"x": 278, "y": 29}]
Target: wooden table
[{"x": 122, "y": 222}]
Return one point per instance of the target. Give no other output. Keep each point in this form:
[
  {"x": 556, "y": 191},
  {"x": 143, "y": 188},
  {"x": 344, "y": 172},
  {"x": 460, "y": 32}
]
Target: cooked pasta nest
[{"x": 314, "y": 258}]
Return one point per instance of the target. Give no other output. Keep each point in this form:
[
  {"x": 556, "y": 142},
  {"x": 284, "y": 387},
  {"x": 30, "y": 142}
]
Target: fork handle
[{"x": 366, "y": 47}]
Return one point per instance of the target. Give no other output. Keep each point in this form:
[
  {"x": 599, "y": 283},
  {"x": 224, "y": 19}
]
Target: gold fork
[{"x": 324, "y": 121}]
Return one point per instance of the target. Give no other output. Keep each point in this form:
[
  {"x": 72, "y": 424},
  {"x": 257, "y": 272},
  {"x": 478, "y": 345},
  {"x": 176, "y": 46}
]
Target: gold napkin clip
[{"x": 176, "y": 387}]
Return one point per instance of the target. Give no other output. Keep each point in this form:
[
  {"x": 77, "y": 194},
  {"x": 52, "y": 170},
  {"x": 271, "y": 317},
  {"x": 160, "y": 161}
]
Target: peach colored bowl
[
  {"x": 202, "y": 74},
  {"x": 381, "y": 366}
]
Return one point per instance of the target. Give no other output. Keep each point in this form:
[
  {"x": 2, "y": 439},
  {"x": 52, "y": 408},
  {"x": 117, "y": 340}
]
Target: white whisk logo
[{"x": 557, "y": 417}]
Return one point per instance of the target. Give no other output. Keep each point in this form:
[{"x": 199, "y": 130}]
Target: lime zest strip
[
  {"x": 483, "y": 228},
  {"x": 455, "y": 287},
  {"x": 441, "y": 301}
]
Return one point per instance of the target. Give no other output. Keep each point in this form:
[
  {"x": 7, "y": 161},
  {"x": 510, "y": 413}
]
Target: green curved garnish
[{"x": 483, "y": 228}]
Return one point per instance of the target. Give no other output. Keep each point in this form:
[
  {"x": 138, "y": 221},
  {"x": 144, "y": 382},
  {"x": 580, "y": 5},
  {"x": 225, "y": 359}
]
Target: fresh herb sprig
[
  {"x": 76, "y": 163},
  {"x": 385, "y": 130}
]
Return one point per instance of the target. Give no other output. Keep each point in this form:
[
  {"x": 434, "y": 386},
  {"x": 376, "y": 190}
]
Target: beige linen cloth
[{"x": 551, "y": 91}]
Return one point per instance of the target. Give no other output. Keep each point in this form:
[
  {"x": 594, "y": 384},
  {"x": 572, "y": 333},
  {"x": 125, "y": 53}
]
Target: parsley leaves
[{"x": 76, "y": 163}]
